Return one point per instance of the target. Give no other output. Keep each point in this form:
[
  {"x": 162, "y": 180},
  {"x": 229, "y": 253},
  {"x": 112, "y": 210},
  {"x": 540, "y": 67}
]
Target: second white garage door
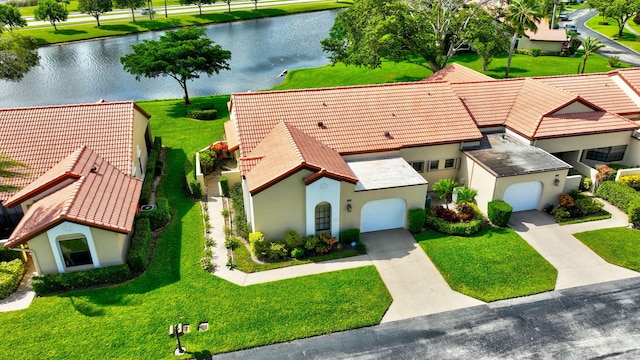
[
  {"x": 524, "y": 196},
  {"x": 383, "y": 214}
]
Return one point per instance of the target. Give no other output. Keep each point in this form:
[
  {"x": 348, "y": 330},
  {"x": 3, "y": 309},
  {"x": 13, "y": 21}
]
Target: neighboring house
[
  {"x": 331, "y": 159},
  {"x": 75, "y": 209},
  {"x": 545, "y": 39}
]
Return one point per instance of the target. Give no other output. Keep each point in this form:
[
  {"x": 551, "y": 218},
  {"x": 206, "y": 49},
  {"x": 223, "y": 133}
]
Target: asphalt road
[
  {"x": 593, "y": 322},
  {"x": 579, "y": 17}
]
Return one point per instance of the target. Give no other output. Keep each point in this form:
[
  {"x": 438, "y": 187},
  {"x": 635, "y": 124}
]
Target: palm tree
[
  {"x": 590, "y": 46},
  {"x": 444, "y": 188},
  {"x": 8, "y": 170},
  {"x": 521, "y": 15}
]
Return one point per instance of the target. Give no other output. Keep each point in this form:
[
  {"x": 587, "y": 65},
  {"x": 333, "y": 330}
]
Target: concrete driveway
[
  {"x": 414, "y": 282},
  {"x": 577, "y": 265}
]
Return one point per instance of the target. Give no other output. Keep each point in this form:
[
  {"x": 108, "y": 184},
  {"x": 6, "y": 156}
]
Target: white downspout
[{"x": 30, "y": 251}]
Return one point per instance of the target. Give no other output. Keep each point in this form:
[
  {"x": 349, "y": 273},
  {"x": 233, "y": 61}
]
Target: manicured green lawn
[
  {"x": 130, "y": 321},
  {"x": 46, "y": 34},
  {"x": 611, "y": 31},
  {"x": 492, "y": 265},
  {"x": 619, "y": 246}
]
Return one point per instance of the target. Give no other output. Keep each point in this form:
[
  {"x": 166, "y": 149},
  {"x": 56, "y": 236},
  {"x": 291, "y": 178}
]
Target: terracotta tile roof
[
  {"x": 582, "y": 124},
  {"x": 545, "y": 34},
  {"x": 357, "y": 119},
  {"x": 534, "y": 101},
  {"x": 98, "y": 195},
  {"x": 232, "y": 135},
  {"x": 489, "y": 102},
  {"x": 42, "y": 136},
  {"x": 630, "y": 76},
  {"x": 287, "y": 150},
  {"x": 597, "y": 88},
  {"x": 455, "y": 73}
]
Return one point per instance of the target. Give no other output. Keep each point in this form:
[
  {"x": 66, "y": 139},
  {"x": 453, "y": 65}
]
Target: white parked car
[{"x": 147, "y": 11}]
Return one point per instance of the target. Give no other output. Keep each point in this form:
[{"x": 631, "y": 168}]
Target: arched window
[
  {"x": 323, "y": 217},
  {"x": 75, "y": 251}
]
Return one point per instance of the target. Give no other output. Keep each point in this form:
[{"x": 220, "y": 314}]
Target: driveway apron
[
  {"x": 414, "y": 282},
  {"x": 577, "y": 265}
]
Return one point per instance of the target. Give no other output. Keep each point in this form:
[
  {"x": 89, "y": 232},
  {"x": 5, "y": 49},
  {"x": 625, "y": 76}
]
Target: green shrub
[
  {"x": 361, "y": 247},
  {"x": 145, "y": 193},
  {"x": 466, "y": 194},
  {"x": 80, "y": 279},
  {"x": 311, "y": 242},
  {"x": 574, "y": 44},
  {"x": 277, "y": 250},
  {"x": 157, "y": 144},
  {"x": 195, "y": 189},
  {"x": 350, "y": 235},
  {"x": 10, "y": 276},
  {"x": 630, "y": 180},
  {"x": 499, "y": 212},
  {"x": 586, "y": 183},
  {"x": 614, "y": 61},
  {"x": 258, "y": 243},
  {"x": 454, "y": 228},
  {"x": 140, "y": 243},
  {"x": 588, "y": 206},
  {"x": 293, "y": 240},
  {"x": 240, "y": 217},
  {"x": 159, "y": 216},
  {"x": 232, "y": 243},
  {"x": 224, "y": 185},
  {"x": 204, "y": 114},
  {"x": 618, "y": 194},
  {"x": 297, "y": 253},
  {"x": 535, "y": 52},
  {"x": 8, "y": 254},
  {"x": 560, "y": 213},
  {"x": 416, "y": 219},
  {"x": 634, "y": 213}
]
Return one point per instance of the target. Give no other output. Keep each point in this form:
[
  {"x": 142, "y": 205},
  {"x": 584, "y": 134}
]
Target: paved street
[{"x": 592, "y": 322}]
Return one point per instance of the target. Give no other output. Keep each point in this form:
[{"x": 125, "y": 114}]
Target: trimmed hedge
[
  {"x": 159, "y": 216},
  {"x": 630, "y": 180},
  {"x": 258, "y": 243},
  {"x": 224, "y": 185},
  {"x": 350, "y": 235},
  {"x": 620, "y": 195},
  {"x": 157, "y": 149},
  {"x": 204, "y": 114},
  {"x": 10, "y": 276},
  {"x": 140, "y": 243},
  {"x": 9, "y": 255},
  {"x": 456, "y": 228},
  {"x": 499, "y": 212},
  {"x": 50, "y": 283},
  {"x": 154, "y": 168},
  {"x": 416, "y": 219}
]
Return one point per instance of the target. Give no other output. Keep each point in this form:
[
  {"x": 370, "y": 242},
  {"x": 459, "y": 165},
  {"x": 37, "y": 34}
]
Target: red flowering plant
[{"x": 221, "y": 149}]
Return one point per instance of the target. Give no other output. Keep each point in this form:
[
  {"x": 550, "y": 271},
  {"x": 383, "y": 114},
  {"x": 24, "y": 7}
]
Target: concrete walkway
[
  {"x": 414, "y": 282},
  {"x": 577, "y": 265},
  {"x": 21, "y": 299}
]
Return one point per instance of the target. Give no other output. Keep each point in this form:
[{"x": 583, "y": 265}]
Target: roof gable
[
  {"x": 102, "y": 196},
  {"x": 457, "y": 73},
  {"x": 489, "y": 102}
]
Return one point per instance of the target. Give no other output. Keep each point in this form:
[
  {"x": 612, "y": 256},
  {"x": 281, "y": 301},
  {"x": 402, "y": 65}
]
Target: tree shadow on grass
[
  {"x": 512, "y": 70},
  {"x": 120, "y": 27},
  {"x": 69, "y": 32},
  {"x": 219, "y": 102},
  {"x": 158, "y": 25}
]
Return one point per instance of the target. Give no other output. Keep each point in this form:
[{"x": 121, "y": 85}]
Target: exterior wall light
[
  {"x": 349, "y": 207},
  {"x": 556, "y": 181}
]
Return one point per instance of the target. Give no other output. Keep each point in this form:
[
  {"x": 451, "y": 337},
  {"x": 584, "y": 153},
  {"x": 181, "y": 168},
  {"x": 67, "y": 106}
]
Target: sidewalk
[
  {"x": 21, "y": 299},
  {"x": 577, "y": 265}
]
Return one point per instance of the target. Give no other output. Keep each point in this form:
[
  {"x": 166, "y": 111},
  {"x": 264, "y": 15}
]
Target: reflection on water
[{"x": 88, "y": 71}]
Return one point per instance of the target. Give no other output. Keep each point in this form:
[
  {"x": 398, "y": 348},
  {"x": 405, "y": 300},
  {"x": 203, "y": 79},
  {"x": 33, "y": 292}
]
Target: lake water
[{"x": 88, "y": 71}]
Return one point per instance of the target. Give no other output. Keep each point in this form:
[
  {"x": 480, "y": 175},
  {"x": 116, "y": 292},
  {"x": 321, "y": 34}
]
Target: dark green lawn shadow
[
  {"x": 158, "y": 25},
  {"x": 218, "y": 102},
  {"x": 69, "y": 32},
  {"x": 120, "y": 28}
]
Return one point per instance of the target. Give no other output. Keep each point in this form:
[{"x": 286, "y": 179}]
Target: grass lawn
[
  {"x": 611, "y": 31},
  {"x": 492, "y": 265},
  {"x": 46, "y": 34},
  {"x": 132, "y": 319},
  {"x": 619, "y": 246}
]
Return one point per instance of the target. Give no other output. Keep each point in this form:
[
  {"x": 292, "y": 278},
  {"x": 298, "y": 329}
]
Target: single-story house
[
  {"x": 318, "y": 160},
  {"x": 75, "y": 208},
  {"x": 544, "y": 38}
]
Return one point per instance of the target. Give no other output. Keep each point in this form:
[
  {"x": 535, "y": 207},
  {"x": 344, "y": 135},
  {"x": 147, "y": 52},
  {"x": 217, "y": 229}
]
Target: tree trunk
[
  {"x": 133, "y": 15},
  {"x": 200, "y": 7},
  {"x": 584, "y": 63},
  {"x": 183, "y": 83},
  {"x": 98, "y": 19},
  {"x": 511, "y": 50},
  {"x": 229, "y": 5},
  {"x": 55, "y": 28}
]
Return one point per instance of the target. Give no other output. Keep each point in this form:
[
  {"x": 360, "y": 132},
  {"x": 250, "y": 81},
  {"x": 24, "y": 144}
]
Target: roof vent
[
  {"x": 94, "y": 168},
  {"x": 387, "y": 134},
  {"x": 324, "y": 103},
  {"x": 320, "y": 124}
]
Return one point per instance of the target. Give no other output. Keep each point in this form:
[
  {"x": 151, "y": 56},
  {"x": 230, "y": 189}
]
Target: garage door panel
[
  {"x": 524, "y": 196},
  {"x": 383, "y": 214}
]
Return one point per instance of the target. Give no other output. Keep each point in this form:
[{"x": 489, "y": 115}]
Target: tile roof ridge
[
  {"x": 61, "y": 106},
  {"x": 361, "y": 86},
  {"x": 292, "y": 141},
  {"x": 72, "y": 197},
  {"x": 487, "y": 81},
  {"x": 569, "y": 75}
]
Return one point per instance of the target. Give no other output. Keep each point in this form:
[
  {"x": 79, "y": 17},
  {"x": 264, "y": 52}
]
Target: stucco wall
[
  {"x": 584, "y": 142},
  {"x": 436, "y": 152},
  {"x": 550, "y": 191},
  {"x": 111, "y": 246},
  {"x": 44, "y": 256},
  {"x": 320, "y": 191},
  {"x": 573, "y": 108},
  {"x": 413, "y": 195},
  {"x": 632, "y": 156},
  {"x": 481, "y": 180},
  {"x": 281, "y": 207},
  {"x": 526, "y": 44},
  {"x": 140, "y": 124}
]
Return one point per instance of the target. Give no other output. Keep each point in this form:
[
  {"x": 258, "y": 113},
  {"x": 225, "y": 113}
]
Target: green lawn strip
[
  {"x": 619, "y": 246},
  {"x": 492, "y": 265},
  {"x": 122, "y": 322},
  {"x": 603, "y": 215},
  {"x": 611, "y": 31},
  {"x": 66, "y": 32},
  {"x": 245, "y": 263}
]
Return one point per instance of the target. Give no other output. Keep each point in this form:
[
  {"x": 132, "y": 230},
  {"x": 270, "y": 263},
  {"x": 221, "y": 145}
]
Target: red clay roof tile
[
  {"x": 455, "y": 73},
  {"x": 582, "y": 124}
]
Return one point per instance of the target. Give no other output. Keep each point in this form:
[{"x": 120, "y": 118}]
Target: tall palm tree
[
  {"x": 590, "y": 46},
  {"x": 9, "y": 170},
  {"x": 521, "y": 15}
]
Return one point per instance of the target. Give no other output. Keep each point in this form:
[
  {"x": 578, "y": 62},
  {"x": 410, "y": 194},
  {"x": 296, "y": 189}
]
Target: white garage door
[
  {"x": 524, "y": 196},
  {"x": 383, "y": 214}
]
